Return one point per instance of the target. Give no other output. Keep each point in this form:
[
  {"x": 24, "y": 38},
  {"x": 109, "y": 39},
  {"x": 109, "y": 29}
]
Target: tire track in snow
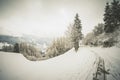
[
  {"x": 111, "y": 62},
  {"x": 100, "y": 73}
]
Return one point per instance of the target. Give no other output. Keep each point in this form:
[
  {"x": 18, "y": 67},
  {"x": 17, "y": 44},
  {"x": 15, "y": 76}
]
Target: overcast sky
[{"x": 48, "y": 18}]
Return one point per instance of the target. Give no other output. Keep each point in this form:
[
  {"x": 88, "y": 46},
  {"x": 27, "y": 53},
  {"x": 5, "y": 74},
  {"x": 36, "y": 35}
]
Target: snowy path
[
  {"x": 111, "y": 57},
  {"x": 82, "y": 65}
]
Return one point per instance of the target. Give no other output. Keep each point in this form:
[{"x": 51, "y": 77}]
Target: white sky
[{"x": 49, "y": 18}]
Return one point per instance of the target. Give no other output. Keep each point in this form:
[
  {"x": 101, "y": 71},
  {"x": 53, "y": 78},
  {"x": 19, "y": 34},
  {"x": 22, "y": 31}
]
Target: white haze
[{"x": 49, "y": 18}]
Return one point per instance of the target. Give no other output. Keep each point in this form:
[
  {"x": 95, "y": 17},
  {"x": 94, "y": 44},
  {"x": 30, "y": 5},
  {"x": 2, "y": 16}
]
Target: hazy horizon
[{"x": 48, "y": 18}]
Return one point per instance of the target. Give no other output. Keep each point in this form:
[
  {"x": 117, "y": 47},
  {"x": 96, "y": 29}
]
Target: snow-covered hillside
[{"x": 87, "y": 64}]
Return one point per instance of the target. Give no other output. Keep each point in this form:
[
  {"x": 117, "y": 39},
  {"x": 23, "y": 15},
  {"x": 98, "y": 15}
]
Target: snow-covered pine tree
[
  {"x": 16, "y": 48},
  {"x": 115, "y": 13},
  {"x": 112, "y": 16},
  {"x": 107, "y": 19},
  {"x": 76, "y": 34}
]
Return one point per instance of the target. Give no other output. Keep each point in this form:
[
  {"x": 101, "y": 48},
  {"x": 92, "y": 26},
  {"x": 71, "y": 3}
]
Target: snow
[
  {"x": 69, "y": 66},
  {"x": 4, "y": 44}
]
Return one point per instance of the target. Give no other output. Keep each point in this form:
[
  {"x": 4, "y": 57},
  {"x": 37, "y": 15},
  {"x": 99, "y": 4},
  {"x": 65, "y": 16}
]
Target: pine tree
[
  {"x": 112, "y": 16},
  {"x": 16, "y": 48},
  {"x": 99, "y": 29},
  {"x": 115, "y": 14},
  {"x": 119, "y": 15},
  {"x": 107, "y": 19},
  {"x": 76, "y": 33}
]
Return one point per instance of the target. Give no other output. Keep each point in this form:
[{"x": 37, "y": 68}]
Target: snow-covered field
[{"x": 83, "y": 65}]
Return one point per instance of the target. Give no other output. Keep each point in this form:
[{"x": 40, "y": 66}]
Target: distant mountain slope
[
  {"x": 86, "y": 64},
  {"x": 9, "y": 39},
  {"x": 24, "y": 38}
]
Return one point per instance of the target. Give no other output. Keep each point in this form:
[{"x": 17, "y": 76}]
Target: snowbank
[{"x": 69, "y": 66}]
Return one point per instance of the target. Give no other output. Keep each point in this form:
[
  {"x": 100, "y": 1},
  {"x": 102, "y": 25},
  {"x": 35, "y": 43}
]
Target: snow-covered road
[{"x": 83, "y": 65}]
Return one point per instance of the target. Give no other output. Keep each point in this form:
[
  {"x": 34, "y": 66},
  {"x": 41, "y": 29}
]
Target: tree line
[
  {"x": 63, "y": 44},
  {"x": 106, "y": 34}
]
